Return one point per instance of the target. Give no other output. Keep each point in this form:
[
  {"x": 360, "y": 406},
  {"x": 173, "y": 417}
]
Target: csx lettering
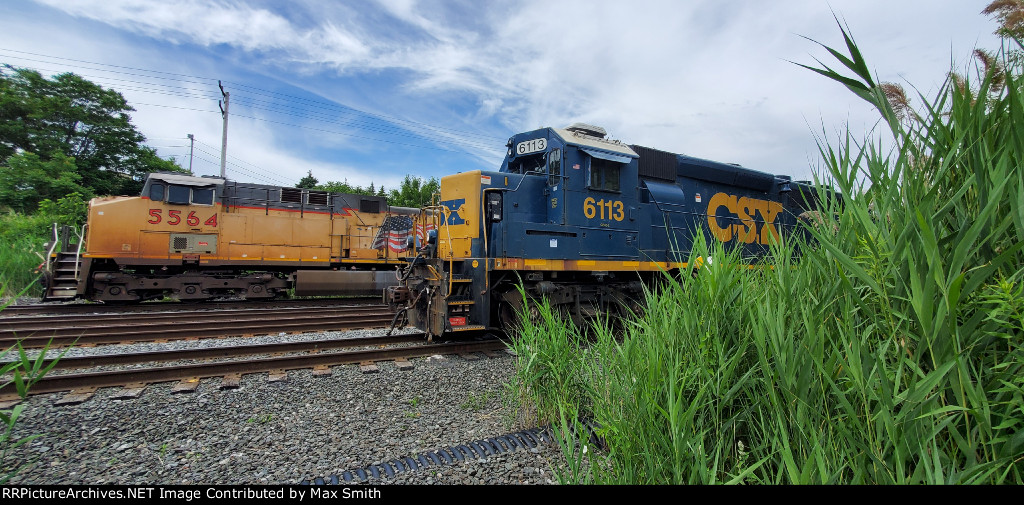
[
  {"x": 174, "y": 218},
  {"x": 594, "y": 208},
  {"x": 745, "y": 208}
]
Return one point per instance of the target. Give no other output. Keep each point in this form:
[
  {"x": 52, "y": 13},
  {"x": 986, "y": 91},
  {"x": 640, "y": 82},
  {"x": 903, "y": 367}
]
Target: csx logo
[
  {"x": 454, "y": 206},
  {"x": 744, "y": 209}
]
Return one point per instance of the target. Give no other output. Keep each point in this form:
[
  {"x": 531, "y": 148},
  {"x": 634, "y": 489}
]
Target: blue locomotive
[{"x": 585, "y": 222}]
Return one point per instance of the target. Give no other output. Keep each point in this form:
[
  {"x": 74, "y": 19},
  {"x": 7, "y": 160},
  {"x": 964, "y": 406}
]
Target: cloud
[
  {"x": 708, "y": 78},
  {"x": 210, "y": 23}
]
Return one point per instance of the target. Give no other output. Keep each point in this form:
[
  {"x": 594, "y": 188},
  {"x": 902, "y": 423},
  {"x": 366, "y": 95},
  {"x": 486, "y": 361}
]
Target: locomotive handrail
[
  {"x": 78, "y": 252},
  {"x": 53, "y": 245},
  {"x": 446, "y": 212}
]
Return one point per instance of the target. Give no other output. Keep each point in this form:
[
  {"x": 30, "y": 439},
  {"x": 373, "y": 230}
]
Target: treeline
[{"x": 413, "y": 192}]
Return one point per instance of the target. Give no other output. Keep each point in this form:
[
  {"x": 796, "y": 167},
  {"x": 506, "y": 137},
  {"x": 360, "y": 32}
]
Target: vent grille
[
  {"x": 180, "y": 243},
  {"x": 657, "y": 164},
  {"x": 370, "y": 206},
  {"x": 317, "y": 198},
  {"x": 290, "y": 195}
]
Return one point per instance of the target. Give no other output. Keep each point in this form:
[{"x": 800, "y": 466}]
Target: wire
[{"x": 259, "y": 91}]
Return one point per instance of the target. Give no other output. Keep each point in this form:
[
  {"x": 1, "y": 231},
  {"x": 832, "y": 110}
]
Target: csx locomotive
[
  {"x": 584, "y": 221},
  {"x": 196, "y": 238}
]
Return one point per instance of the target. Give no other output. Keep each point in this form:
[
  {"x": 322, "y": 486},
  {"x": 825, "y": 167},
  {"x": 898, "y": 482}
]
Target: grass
[
  {"x": 260, "y": 419},
  {"x": 475, "y": 402},
  {"x": 20, "y": 254},
  {"x": 17, "y": 369},
  {"x": 891, "y": 352}
]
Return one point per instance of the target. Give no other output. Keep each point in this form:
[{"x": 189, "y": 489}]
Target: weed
[{"x": 475, "y": 402}]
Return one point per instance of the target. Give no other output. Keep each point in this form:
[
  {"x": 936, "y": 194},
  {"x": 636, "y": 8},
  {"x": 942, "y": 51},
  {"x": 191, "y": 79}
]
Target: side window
[
  {"x": 156, "y": 192},
  {"x": 202, "y": 196},
  {"x": 179, "y": 195},
  {"x": 604, "y": 174},
  {"x": 554, "y": 167}
]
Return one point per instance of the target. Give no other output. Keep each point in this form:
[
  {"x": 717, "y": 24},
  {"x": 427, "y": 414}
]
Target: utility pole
[
  {"x": 224, "y": 140},
  {"x": 191, "y": 147}
]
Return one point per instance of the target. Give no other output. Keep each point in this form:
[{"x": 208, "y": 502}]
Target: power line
[{"x": 256, "y": 90}]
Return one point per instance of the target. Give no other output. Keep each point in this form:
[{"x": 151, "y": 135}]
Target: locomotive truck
[{"x": 584, "y": 221}]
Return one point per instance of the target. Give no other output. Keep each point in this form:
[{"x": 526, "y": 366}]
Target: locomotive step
[
  {"x": 469, "y": 327},
  {"x": 461, "y": 278},
  {"x": 461, "y": 302},
  {"x": 56, "y": 292}
]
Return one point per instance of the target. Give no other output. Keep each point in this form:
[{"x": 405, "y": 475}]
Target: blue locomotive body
[{"x": 585, "y": 222}]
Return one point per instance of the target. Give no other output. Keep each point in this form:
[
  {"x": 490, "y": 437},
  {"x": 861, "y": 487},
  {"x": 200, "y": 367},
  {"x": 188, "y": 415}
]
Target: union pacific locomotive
[
  {"x": 584, "y": 221},
  {"x": 196, "y": 238}
]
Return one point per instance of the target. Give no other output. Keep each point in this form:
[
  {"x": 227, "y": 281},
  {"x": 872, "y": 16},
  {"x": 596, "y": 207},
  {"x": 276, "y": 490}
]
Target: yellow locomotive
[{"x": 197, "y": 238}]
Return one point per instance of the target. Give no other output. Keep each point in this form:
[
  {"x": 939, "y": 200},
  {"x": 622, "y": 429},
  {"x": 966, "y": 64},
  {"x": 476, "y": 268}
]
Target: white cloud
[
  {"x": 210, "y": 23},
  {"x": 706, "y": 78}
]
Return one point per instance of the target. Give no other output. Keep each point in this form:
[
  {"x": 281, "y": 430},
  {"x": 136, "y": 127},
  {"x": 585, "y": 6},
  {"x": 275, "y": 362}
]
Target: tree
[
  {"x": 413, "y": 192},
  {"x": 308, "y": 182},
  {"x": 75, "y": 118},
  {"x": 26, "y": 179},
  {"x": 342, "y": 187}
]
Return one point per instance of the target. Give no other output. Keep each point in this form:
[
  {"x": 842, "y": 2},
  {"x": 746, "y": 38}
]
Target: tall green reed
[{"x": 889, "y": 352}]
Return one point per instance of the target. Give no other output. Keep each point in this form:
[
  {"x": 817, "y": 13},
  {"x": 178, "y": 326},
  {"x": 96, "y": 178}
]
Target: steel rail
[
  {"x": 80, "y": 308},
  {"x": 68, "y": 382},
  {"x": 143, "y": 332},
  {"x": 25, "y": 324},
  {"x": 135, "y": 358}
]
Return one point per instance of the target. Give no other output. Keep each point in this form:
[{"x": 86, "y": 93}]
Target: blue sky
[{"x": 372, "y": 90}]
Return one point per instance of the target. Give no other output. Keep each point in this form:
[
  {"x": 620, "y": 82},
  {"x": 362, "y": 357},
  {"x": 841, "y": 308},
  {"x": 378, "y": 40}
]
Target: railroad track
[
  {"x": 134, "y": 380},
  {"x": 86, "y": 308},
  {"x": 96, "y": 329}
]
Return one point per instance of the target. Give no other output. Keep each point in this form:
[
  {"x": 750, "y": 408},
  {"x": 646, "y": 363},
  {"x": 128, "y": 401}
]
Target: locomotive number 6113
[{"x": 597, "y": 208}]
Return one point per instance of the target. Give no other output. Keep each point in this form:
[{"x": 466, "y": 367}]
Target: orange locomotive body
[{"x": 203, "y": 237}]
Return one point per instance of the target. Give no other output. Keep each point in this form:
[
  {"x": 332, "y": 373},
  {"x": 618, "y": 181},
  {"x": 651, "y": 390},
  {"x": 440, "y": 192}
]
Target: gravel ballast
[{"x": 284, "y": 432}]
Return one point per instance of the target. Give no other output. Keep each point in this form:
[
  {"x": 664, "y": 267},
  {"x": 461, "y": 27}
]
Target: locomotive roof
[
  {"x": 584, "y": 140},
  {"x": 186, "y": 180}
]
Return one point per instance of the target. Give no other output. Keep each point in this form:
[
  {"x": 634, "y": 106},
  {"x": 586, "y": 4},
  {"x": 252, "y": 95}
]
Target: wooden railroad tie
[
  {"x": 368, "y": 367},
  {"x": 278, "y": 376},
  {"x": 186, "y": 385},
  {"x": 129, "y": 391},
  {"x": 322, "y": 371},
  {"x": 231, "y": 381},
  {"x": 76, "y": 396},
  {"x": 403, "y": 364},
  {"x": 6, "y": 403}
]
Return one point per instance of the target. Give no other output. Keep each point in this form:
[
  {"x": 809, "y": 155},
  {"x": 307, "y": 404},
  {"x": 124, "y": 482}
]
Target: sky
[{"x": 368, "y": 91}]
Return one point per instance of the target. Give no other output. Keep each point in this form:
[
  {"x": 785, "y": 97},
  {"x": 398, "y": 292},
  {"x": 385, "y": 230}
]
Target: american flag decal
[
  {"x": 421, "y": 233},
  {"x": 393, "y": 233}
]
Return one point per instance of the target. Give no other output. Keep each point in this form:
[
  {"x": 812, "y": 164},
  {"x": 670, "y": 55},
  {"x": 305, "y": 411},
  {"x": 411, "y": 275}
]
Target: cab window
[
  {"x": 156, "y": 192},
  {"x": 179, "y": 195},
  {"x": 604, "y": 174},
  {"x": 554, "y": 167},
  {"x": 202, "y": 196}
]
